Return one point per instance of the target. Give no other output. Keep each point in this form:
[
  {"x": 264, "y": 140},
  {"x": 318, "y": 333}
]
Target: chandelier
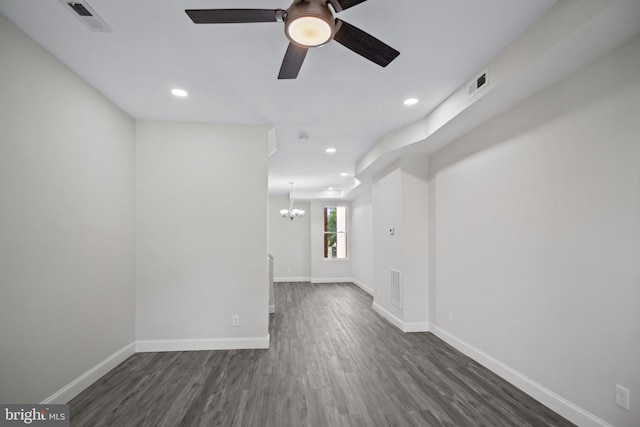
[{"x": 291, "y": 213}]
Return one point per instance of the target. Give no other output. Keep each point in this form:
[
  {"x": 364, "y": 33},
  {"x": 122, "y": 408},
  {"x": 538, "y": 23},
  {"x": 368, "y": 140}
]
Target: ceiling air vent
[
  {"x": 479, "y": 82},
  {"x": 87, "y": 16},
  {"x": 80, "y": 9}
]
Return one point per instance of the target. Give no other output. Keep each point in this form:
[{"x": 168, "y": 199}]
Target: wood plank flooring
[{"x": 332, "y": 362}]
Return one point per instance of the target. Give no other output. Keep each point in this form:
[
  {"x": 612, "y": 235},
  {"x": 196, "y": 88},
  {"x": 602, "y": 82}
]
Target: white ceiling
[{"x": 339, "y": 99}]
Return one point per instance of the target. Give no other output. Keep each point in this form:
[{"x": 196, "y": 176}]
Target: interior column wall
[
  {"x": 400, "y": 242},
  {"x": 201, "y": 232},
  {"x": 361, "y": 242}
]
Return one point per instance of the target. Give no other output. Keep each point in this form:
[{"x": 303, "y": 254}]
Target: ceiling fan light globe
[
  {"x": 309, "y": 23},
  {"x": 309, "y": 31}
]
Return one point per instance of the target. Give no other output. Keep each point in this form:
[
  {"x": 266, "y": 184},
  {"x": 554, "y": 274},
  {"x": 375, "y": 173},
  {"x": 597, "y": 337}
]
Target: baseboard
[
  {"x": 331, "y": 280},
  {"x": 362, "y": 286},
  {"x": 395, "y": 321},
  {"x": 399, "y": 323},
  {"x": 77, "y": 386},
  {"x": 416, "y": 327},
  {"x": 292, "y": 279},
  {"x": 148, "y": 346},
  {"x": 557, "y": 403},
  {"x": 318, "y": 280}
]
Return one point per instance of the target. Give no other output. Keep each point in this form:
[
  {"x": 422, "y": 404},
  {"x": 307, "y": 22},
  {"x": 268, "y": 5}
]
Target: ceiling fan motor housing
[{"x": 315, "y": 12}]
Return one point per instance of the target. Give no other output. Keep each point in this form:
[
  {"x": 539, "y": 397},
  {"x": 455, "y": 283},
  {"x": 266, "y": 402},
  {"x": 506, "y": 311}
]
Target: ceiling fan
[{"x": 307, "y": 23}]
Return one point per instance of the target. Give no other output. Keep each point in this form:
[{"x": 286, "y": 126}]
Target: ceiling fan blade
[
  {"x": 364, "y": 44},
  {"x": 340, "y": 5},
  {"x": 292, "y": 61},
  {"x": 232, "y": 16}
]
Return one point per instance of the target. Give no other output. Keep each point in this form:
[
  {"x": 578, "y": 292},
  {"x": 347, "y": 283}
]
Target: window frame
[{"x": 325, "y": 232}]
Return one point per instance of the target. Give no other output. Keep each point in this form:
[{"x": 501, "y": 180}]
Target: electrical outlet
[
  {"x": 235, "y": 320},
  {"x": 622, "y": 397},
  {"x": 451, "y": 316}
]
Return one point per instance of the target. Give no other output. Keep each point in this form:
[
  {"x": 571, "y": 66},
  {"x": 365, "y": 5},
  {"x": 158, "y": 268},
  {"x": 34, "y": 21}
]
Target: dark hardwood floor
[{"x": 332, "y": 362}]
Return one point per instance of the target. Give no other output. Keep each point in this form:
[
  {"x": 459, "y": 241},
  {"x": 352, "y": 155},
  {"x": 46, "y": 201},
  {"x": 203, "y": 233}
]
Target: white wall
[
  {"x": 387, "y": 249},
  {"x": 415, "y": 202},
  {"x": 361, "y": 241},
  {"x": 67, "y": 294},
  {"x": 537, "y": 238},
  {"x": 201, "y": 230},
  {"x": 290, "y": 241},
  {"x": 400, "y": 201},
  {"x": 327, "y": 270}
]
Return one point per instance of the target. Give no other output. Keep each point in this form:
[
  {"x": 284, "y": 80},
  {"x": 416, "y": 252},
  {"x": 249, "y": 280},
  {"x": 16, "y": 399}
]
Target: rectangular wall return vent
[
  {"x": 479, "y": 82},
  {"x": 396, "y": 289},
  {"x": 86, "y": 15}
]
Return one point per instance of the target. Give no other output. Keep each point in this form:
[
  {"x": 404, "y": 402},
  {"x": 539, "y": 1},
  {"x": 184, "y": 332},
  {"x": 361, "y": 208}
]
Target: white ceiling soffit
[{"x": 572, "y": 34}]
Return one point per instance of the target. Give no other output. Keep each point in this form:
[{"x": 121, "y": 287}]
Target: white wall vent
[
  {"x": 86, "y": 15},
  {"x": 396, "y": 289},
  {"x": 479, "y": 82}
]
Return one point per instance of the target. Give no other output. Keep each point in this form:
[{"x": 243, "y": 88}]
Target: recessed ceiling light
[
  {"x": 344, "y": 174},
  {"x": 330, "y": 150},
  {"x": 410, "y": 101},
  {"x": 330, "y": 188},
  {"x": 179, "y": 92}
]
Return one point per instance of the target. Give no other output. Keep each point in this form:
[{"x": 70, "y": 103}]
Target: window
[{"x": 335, "y": 232}]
